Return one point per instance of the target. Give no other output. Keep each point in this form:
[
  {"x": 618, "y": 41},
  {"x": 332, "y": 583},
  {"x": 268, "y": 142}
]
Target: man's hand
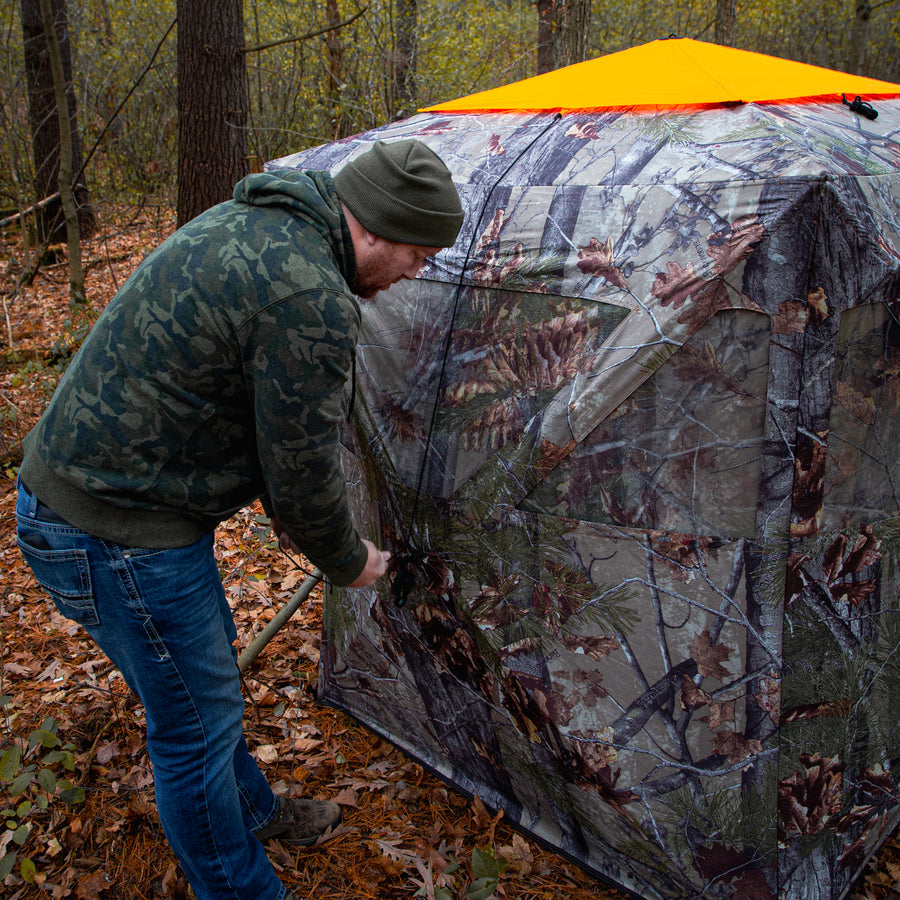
[
  {"x": 376, "y": 565},
  {"x": 284, "y": 540}
]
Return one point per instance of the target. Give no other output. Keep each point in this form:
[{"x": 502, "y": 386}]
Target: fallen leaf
[
  {"x": 346, "y": 797},
  {"x": 107, "y": 750},
  {"x": 518, "y": 855},
  {"x": 267, "y": 753},
  {"x": 91, "y": 886}
]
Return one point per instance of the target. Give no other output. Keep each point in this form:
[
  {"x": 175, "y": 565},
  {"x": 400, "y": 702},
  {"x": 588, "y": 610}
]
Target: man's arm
[
  {"x": 300, "y": 354},
  {"x": 376, "y": 563}
]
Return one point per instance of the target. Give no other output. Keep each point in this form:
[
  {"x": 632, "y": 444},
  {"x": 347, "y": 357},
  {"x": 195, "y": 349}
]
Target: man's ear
[{"x": 361, "y": 237}]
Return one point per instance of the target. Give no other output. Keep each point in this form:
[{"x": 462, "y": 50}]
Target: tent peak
[{"x": 671, "y": 72}]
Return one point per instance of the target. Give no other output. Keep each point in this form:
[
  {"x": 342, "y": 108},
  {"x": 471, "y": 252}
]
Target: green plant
[
  {"x": 30, "y": 784},
  {"x": 486, "y": 871}
]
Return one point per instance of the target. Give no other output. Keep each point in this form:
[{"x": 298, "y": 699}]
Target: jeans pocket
[{"x": 66, "y": 576}]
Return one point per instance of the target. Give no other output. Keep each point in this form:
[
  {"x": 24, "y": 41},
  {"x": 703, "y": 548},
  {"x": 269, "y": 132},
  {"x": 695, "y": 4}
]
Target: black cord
[
  {"x": 404, "y": 580},
  {"x": 860, "y": 106}
]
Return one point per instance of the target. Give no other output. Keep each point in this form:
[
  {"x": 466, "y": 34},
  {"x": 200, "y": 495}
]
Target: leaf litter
[{"x": 405, "y": 833}]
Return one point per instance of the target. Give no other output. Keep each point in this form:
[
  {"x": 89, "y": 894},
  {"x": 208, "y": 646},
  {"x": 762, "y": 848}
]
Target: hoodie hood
[{"x": 309, "y": 196}]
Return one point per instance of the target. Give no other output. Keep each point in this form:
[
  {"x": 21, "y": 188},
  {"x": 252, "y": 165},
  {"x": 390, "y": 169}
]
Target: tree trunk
[
  {"x": 66, "y": 156},
  {"x": 725, "y": 16},
  {"x": 334, "y": 66},
  {"x": 44, "y": 120},
  {"x": 404, "y": 69},
  {"x": 212, "y": 103},
  {"x": 545, "y": 11},
  {"x": 563, "y": 32},
  {"x": 859, "y": 37}
]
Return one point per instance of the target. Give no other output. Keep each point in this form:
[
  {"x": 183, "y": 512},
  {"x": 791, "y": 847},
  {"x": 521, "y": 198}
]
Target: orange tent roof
[{"x": 670, "y": 72}]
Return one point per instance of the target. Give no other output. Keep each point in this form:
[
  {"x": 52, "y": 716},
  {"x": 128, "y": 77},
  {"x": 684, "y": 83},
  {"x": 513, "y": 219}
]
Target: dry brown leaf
[
  {"x": 307, "y": 744},
  {"x": 345, "y": 797},
  {"x": 91, "y": 886},
  {"x": 518, "y": 856},
  {"x": 709, "y": 657},
  {"x": 107, "y": 751},
  {"x": 267, "y": 753}
]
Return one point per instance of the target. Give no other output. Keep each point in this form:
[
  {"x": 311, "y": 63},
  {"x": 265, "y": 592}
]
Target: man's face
[{"x": 381, "y": 263}]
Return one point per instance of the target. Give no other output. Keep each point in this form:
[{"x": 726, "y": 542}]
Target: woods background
[
  {"x": 169, "y": 104},
  {"x": 318, "y": 70}
]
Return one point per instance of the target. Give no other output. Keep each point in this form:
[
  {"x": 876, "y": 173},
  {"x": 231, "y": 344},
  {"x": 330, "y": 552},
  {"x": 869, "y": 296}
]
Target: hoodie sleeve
[{"x": 298, "y": 354}]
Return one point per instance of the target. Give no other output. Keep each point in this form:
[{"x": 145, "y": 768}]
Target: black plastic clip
[
  {"x": 404, "y": 580},
  {"x": 860, "y": 106}
]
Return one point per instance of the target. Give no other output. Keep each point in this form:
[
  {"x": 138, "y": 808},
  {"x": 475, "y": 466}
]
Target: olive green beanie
[{"x": 402, "y": 192}]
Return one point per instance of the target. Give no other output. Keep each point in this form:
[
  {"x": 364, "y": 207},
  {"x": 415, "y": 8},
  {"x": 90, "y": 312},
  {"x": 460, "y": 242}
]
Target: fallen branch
[{"x": 10, "y": 220}]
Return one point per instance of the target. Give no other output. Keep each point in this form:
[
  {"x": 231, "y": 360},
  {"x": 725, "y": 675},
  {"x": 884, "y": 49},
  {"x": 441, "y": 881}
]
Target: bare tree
[
  {"x": 404, "y": 67},
  {"x": 859, "y": 36},
  {"x": 563, "y": 31},
  {"x": 860, "y": 33},
  {"x": 334, "y": 66},
  {"x": 212, "y": 103},
  {"x": 43, "y": 114},
  {"x": 66, "y": 157},
  {"x": 725, "y": 16}
]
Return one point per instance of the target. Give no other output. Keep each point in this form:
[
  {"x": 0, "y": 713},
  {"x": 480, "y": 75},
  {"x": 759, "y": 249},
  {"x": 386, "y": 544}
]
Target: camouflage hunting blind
[{"x": 633, "y": 441}]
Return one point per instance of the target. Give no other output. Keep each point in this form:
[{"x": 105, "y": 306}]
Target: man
[{"x": 218, "y": 375}]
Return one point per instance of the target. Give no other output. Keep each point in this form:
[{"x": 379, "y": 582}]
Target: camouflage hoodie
[{"x": 216, "y": 375}]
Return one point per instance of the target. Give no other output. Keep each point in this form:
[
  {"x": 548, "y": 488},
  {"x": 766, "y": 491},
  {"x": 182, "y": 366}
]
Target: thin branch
[
  {"x": 9, "y": 332},
  {"x": 125, "y": 99},
  {"x": 728, "y": 596},
  {"x": 305, "y": 37},
  {"x": 32, "y": 270},
  {"x": 10, "y": 220}
]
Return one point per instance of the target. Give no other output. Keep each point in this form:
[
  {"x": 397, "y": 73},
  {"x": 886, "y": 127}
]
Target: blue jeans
[{"x": 162, "y": 618}]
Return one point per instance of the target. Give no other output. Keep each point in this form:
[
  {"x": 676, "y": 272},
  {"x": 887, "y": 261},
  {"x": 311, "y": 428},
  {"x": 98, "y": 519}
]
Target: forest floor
[{"x": 75, "y": 782}]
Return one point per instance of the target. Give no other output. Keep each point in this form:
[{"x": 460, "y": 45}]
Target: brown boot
[{"x": 301, "y": 822}]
